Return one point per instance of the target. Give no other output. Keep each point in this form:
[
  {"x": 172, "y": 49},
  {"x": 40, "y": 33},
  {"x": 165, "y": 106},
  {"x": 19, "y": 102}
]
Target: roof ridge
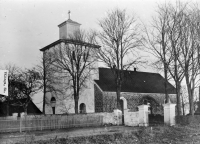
[
  {"x": 71, "y": 21},
  {"x": 131, "y": 71}
]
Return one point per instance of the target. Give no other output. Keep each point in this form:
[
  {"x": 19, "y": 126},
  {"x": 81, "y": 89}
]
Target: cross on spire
[{"x": 69, "y": 13}]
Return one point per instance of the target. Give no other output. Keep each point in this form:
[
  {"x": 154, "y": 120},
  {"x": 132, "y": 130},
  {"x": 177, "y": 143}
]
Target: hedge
[{"x": 188, "y": 120}]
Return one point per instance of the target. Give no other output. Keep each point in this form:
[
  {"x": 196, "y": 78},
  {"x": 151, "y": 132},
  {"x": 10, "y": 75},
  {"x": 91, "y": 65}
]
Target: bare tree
[
  {"x": 13, "y": 93},
  {"x": 49, "y": 81},
  {"x": 189, "y": 56},
  {"x": 185, "y": 99},
  {"x": 74, "y": 62},
  {"x": 198, "y": 39},
  {"x": 174, "y": 33},
  {"x": 177, "y": 26},
  {"x": 23, "y": 84},
  {"x": 157, "y": 41},
  {"x": 28, "y": 85},
  {"x": 119, "y": 39}
]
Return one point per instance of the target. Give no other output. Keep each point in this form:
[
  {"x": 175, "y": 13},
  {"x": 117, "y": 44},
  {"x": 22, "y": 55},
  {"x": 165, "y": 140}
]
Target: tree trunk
[
  {"x": 183, "y": 106},
  {"x": 44, "y": 102},
  {"x": 190, "y": 94},
  {"x": 199, "y": 100},
  {"x": 178, "y": 98},
  {"x": 191, "y": 102},
  {"x": 165, "y": 83},
  {"x": 76, "y": 106},
  {"x": 76, "y": 98},
  {"x": 118, "y": 91},
  {"x": 44, "y": 81},
  {"x": 118, "y": 98},
  {"x": 25, "y": 109},
  {"x": 191, "y": 105}
]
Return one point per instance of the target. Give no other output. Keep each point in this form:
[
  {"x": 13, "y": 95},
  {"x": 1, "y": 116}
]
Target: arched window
[
  {"x": 82, "y": 108},
  {"x": 53, "y": 104}
]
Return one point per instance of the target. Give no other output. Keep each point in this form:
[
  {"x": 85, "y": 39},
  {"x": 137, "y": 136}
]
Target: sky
[{"x": 29, "y": 25}]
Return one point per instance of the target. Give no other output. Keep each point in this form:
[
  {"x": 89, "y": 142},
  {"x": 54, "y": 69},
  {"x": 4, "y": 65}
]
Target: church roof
[
  {"x": 69, "y": 21},
  {"x": 134, "y": 81},
  {"x": 70, "y": 41}
]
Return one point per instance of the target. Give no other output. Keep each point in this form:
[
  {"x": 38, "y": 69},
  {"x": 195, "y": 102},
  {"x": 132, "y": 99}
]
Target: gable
[{"x": 134, "y": 81}]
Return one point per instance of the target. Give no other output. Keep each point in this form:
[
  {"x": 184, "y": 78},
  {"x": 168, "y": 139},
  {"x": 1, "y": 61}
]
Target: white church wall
[
  {"x": 70, "y": 29},
  {"x": 65, "y": 102},
  {"x": 62, "y": 32}
]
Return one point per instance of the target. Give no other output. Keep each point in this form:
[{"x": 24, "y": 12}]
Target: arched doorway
[
  {"x": 82, "y": 108},
  {"x": 153, "y": 104},
  {"x": 155, "y": 110}
]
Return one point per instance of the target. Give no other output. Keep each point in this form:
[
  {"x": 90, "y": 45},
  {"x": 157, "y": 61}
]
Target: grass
[
  {"x": 144, "y": 135},
  {"x": 116, "y": 138}
]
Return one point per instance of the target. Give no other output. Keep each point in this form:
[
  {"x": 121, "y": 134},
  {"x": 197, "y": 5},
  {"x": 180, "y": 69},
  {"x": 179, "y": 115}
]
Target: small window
[{"x": 82, "y": 108}]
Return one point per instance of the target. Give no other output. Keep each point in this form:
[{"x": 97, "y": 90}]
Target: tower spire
[{"x": 69, "y": 13}]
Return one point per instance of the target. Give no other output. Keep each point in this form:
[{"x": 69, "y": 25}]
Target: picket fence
[{"x": 50, "y": 122}]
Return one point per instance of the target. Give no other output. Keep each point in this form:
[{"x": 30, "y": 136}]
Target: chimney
[{"x": 134, "y": 69}]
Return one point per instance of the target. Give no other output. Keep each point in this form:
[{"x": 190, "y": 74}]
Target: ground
[{"x": 109, "y": 134}]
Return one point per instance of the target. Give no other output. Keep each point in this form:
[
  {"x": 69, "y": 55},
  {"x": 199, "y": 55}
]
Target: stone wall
[
  {"x": 98, "y": 99},
  {"x": 109, "y": 102},
  {"x": 134, "y": 100},
  {"x": 131, "y": 118}
]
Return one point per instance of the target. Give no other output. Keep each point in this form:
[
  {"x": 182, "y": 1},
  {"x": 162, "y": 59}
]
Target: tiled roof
[{"x": 134, "y": 81}]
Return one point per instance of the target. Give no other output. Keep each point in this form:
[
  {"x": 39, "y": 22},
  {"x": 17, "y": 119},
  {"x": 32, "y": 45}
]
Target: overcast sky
[{"x": 28, "y": 25}]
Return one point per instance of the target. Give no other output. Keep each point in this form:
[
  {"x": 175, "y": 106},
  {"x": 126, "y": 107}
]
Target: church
[{"x": 99, "y": 95}]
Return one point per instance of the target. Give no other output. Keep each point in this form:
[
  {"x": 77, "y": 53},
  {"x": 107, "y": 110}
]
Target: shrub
[{"x": 188, "y": 120}]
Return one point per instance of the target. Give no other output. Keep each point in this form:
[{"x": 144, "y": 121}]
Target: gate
[
  {"x": 156, "y": 119},
  {"x": 154, "y": 110}
]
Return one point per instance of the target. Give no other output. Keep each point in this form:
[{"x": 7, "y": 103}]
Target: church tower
[
  {"x": 67, "y": 28},
  {"x": 64, "y": 103}
]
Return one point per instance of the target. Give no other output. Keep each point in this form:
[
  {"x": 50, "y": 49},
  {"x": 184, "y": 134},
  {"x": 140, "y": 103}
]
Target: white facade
[{"x": 65, "y": 102}]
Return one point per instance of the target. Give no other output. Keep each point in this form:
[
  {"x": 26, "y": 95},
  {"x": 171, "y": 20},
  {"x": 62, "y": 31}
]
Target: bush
[{"x": 188, "y": 120}]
